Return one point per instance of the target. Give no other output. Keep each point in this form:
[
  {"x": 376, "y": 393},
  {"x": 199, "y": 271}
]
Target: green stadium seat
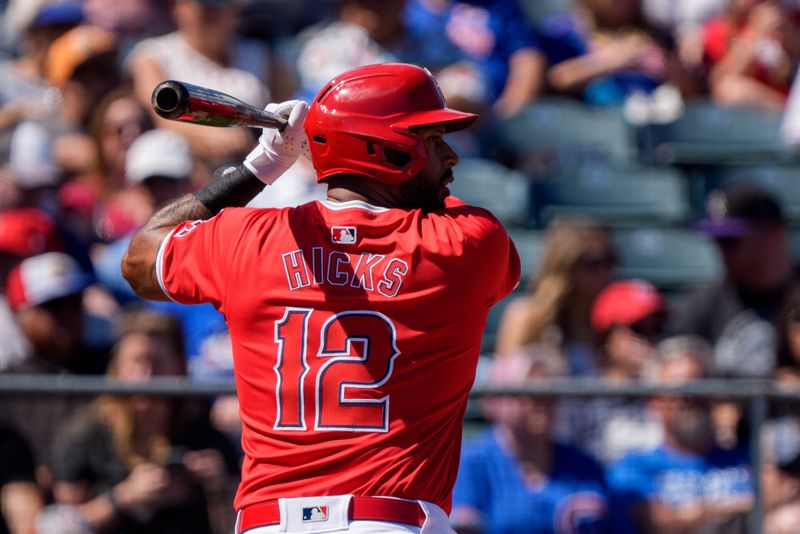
[
  {"x": 560, "y": 130},
  {"x": 710, "y": 134},
  {"x": 488, "y": 184},
  {"x": 616, "y": 195},
  {"x": 670, "y": 258}
]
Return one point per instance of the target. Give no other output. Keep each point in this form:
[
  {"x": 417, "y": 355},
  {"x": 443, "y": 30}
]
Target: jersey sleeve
[
  {"x": 194, "y": 260},
  {"x": 492, "y": 256}
]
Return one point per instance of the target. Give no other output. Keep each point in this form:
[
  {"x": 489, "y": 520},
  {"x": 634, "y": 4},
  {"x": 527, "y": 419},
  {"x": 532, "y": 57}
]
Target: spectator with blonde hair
[
  {"x": 577, "y": 261},
  {"x": 143, "y": 463}
]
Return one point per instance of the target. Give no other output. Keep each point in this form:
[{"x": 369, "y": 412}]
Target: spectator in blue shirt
[
  {"x": 687, "y": 482},
  {"x": 514, "y": 478},
  {"x": 491, "y": 35}
]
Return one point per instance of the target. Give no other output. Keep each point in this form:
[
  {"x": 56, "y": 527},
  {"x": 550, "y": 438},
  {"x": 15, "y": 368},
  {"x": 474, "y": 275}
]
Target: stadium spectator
[
  {"x": 132, "y": 20},
  {"x": 628, "y": 318},
  {"x": 32, "y": 173},
  {"x": 468, "y": 46},
  {"x": 687, "y": 482},
  {"x": 490, "y": 37},
  {"x": 95, "y": 203},
  {"x": 21, "y": 498},
  {"x": 45, "y": 292},
  {"x": 24, "y": 232},
  {"x": 82, "y": 65},
  {"x": 24, "y": 91},
  {"x": 514, "y": 478},
  {"x": 752, "y": 52},
  {"x": 34, "y": 177},
  {"x": 737, "y": 314},
  {"x": 142, "y": 463},
  {"x": 681, "y": 21},
  {"x": 610, "y": 53},
  {"x": 360, "y": 32},
  {"x": 204, "y": 50},
  {"x": 576, "y": 262}
]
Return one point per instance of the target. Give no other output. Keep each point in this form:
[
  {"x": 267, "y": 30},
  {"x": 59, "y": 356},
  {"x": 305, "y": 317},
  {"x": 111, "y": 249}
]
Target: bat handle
[{"x": 180, "y": 101}]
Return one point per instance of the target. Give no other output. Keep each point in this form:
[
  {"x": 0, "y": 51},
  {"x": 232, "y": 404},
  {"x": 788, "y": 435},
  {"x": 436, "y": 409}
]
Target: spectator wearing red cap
[
  {"x": 23, "y": 232},
  {"x": 627, "y": 316}
]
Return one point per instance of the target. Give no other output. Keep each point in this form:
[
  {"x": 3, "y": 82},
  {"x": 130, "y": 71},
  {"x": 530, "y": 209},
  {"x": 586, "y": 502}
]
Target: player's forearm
[
  {"x": 232, "y": 187},
  {"x": 139, "y": 262}
]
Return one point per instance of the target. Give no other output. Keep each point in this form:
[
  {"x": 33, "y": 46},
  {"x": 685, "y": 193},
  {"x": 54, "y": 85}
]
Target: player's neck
[{"x": 347, "y": 188}]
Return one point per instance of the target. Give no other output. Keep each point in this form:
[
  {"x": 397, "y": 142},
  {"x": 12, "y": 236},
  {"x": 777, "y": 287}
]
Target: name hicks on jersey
[{"x": 370, "y": 272}]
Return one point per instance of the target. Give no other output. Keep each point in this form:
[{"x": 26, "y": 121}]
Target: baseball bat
[{"x": 184, "y": 102}]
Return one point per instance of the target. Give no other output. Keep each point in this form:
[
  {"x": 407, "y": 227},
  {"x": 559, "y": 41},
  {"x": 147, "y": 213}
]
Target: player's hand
[{"x": 277, "y": 150}]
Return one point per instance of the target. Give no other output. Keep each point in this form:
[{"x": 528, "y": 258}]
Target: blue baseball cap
[{"x": 58, "y": 14}]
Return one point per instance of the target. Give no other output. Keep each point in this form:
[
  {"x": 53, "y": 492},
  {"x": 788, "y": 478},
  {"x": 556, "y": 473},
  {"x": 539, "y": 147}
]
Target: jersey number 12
[{"x": 358, "y": 349}]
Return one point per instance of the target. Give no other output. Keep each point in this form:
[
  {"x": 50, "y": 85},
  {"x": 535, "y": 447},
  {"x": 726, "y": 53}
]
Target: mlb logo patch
[
  {"x": 343, "y": 235},
  {"x": 314, "y": 514}
]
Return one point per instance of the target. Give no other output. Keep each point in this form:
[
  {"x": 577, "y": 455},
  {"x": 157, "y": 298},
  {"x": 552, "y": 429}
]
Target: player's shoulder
[
  {"x": 247, "y": 213},
  {"x": 472, "y": 219}
]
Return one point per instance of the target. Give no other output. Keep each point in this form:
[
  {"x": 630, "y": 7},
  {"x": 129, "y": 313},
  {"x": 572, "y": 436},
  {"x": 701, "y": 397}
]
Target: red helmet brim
[{"x": 451, "y": 119}]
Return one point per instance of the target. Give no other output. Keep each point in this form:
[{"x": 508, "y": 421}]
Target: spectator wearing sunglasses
[{"x": 577, "y": 261}]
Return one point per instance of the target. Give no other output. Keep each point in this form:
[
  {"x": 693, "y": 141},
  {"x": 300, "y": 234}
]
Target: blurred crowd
[{"x": 84, "y": 161}]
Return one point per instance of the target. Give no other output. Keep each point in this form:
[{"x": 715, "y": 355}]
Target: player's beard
[{"x": 425, "y": 192}]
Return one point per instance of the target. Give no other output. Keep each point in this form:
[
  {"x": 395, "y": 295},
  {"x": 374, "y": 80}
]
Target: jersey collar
[{"x": 347, "y": 204}]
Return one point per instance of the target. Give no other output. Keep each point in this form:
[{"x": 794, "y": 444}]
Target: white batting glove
[{"x": 278, "y": 150}]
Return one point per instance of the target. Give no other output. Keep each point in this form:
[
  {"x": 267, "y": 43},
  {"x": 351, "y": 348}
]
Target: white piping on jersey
[
  {"x": 337, "y": 205},
  {"x": 160, "y": 265}
]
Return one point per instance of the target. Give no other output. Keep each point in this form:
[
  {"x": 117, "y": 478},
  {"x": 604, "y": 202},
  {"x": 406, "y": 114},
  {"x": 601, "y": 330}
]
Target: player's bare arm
[
  {"x": 234, "y": 186},
  {"x": 139, "y": 262}
]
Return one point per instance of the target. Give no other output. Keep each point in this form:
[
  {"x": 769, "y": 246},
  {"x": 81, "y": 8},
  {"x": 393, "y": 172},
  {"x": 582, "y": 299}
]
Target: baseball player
[{"x": 356, "y": 321}]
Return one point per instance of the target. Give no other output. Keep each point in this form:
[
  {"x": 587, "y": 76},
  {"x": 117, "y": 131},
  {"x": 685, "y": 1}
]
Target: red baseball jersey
[{"x": 356, "y": 332}]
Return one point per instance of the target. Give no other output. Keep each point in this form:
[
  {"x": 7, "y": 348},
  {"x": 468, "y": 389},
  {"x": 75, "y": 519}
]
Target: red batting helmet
[{"x": 363, "y": 112}]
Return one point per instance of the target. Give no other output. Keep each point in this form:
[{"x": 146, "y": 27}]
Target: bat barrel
[
  {"x": 184, "y": 102},
  {"x": 170, "y": 99}
]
